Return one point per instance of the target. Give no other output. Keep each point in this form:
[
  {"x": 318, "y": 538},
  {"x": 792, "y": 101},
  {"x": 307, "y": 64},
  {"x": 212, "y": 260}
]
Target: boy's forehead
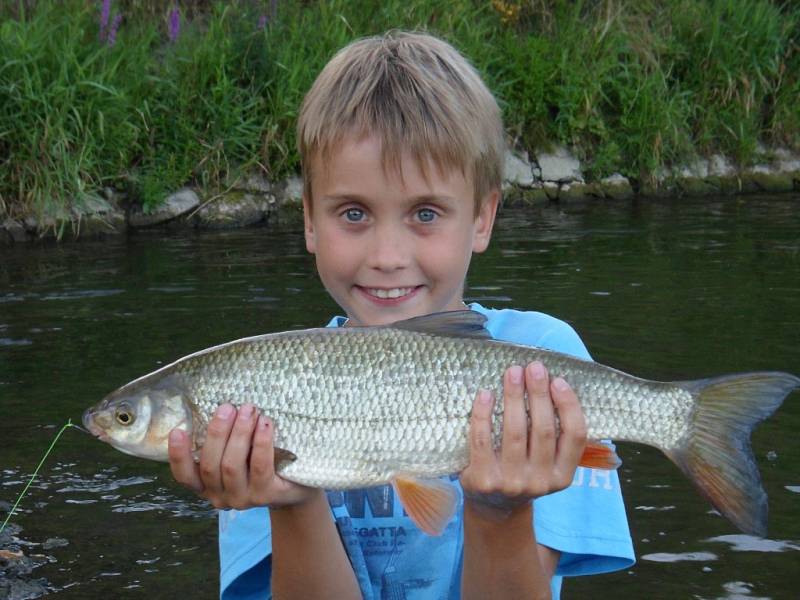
[{"x": 356, "y": 157}]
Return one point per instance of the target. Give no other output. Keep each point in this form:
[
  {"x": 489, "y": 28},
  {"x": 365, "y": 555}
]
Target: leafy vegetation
[{"x": 147, "y": 96}]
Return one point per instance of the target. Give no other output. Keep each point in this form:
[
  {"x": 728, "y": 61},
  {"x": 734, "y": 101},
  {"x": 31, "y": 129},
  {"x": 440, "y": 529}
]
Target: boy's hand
[
  {"x": 236, "y": 468},
  {"x": 534, "y": 459}
]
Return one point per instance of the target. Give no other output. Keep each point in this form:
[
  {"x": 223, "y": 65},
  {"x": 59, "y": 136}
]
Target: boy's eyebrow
[{"x": 421, "y": 198}]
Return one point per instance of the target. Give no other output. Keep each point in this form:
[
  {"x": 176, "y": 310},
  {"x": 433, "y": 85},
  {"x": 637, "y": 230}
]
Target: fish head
[{"x": 137, "y": 418}]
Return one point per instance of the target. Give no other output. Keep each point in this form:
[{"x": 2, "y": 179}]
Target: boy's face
[{"x": 388, "y": 248}]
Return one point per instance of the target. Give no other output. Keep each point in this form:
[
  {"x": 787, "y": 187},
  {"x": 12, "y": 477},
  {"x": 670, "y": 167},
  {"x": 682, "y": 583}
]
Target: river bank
[
  {"x": 110, "y": 107},
  {"x": 554, "y": 177}
]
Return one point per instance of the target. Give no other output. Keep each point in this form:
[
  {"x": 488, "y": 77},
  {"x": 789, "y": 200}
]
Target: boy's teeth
[{"x": 392, "y": 293}]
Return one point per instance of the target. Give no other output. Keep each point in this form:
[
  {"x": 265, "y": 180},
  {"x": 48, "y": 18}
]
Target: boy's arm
[
  {"x": 308, "y": 559},
  {"x": 501, "y": 556},
  {"x": 236, "y": 470}
]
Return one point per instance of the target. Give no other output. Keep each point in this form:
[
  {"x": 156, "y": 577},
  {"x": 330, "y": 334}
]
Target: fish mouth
[{"x": 92, "y": 427}]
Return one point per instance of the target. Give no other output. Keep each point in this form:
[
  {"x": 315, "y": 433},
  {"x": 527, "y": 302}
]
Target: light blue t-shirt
[{"x": 393, "y": 559}]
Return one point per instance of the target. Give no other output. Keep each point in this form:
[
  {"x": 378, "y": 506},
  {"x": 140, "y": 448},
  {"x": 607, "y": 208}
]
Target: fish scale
[{"x": 363, "y": 406}]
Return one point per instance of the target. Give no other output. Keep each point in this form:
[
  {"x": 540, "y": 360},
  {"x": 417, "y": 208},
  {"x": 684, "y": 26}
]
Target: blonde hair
[{"x": 417, "y": 94}]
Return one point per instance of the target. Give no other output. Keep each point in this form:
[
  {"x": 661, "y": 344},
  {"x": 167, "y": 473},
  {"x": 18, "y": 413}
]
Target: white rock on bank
[
  {"x": 787, "y": 161},
  {"x": 92, "y": 205},
  {"x": 720, "y": 166},
  {"x": 698, "y": 169},
  {"x": 762, "y": 169},
  {"x": 234, "y": 210},
  {"x": 518, "y": 170},
  {"x": 174, "y": 206},
  {"x": 560, "y": 166},
  {"x": 257, "y": 183},
  {"x": 293, "y": 192},
  {"x": 13, "y": 231}
]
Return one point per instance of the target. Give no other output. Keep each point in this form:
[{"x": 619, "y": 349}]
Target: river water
[{"x": 668, "y": 289}]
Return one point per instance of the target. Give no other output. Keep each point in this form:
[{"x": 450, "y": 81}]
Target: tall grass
[
  {"x": 67, "y": 108},
  {"x": 632, "y": 85}
]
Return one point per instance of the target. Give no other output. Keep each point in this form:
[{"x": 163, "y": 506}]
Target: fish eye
[{"x": 124, "y": 415}]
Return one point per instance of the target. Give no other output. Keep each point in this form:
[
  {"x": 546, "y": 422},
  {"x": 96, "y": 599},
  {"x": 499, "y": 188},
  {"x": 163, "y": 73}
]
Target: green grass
[{"x": 632, "y": 86}]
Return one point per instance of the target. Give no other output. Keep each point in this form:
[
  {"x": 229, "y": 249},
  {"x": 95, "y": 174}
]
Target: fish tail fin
[{"x": 717, "y": 456}]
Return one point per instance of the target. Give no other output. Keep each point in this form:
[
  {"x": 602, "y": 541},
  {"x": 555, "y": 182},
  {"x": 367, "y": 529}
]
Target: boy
[{"x": 402, "y": 148}]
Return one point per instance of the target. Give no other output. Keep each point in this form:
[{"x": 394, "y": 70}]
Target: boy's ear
[
  {"x": 484, "y": 222},
  {"x": 308, "y": 226}
]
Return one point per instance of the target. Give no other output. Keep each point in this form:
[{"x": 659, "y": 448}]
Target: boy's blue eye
[
  {"x": 354, "y": 215},
  {"x": 426, "y": 215}
]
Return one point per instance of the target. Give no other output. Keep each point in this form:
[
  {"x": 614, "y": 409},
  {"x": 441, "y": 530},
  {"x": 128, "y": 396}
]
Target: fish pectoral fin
[
  {"x": 283, "y": 456},
  {"x": 598, "y": 455},
  {"x": 430, "y": 503}
]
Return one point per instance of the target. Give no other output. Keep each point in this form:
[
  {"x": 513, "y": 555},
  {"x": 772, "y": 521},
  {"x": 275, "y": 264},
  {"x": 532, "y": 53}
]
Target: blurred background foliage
[{"x": 149, "y": 95}]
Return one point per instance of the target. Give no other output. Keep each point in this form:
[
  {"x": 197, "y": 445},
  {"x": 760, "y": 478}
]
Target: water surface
[{"x": 673, "y": 289}]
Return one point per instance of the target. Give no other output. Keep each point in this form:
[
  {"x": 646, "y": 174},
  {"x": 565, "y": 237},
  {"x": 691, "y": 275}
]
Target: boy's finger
[
  {"x": 481, "y": 447},
  {"x": 181, "y": 462},
  {"x": 543, "y": 424},
  {"x": 219, "y": 429},
  {"x": 572, "y": 436},
  {"x": 234, "y": 459},
  {"x": 262, "y": 456},
  {"x": 514, "y": 445}
]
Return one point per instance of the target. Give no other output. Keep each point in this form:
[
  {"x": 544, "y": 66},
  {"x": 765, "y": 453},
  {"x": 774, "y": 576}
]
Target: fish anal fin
[
  {"x": 598, "y": 455},
  {"x": 430, "y": 503}
]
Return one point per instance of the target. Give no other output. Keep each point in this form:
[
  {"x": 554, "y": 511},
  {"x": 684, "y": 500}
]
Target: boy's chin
[
  {"x": 378, "y": 317},
  {"x": 374, "y": 321}
]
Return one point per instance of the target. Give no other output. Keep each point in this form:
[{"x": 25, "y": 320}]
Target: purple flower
[
  {"x": 105, "y": 13},
  {"x": 112, "y": 31},
  {"x": 262, "y": 22},
  {"x": 174, "y": 24}
]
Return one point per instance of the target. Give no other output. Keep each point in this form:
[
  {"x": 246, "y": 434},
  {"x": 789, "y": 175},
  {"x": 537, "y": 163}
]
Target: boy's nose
[{"x": 388, "y": 250}]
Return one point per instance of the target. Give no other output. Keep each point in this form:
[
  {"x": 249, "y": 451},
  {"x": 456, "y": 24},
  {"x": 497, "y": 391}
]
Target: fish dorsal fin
[
  {"x": 453, "y": 323},
  {"x": 430, "y": 503}
]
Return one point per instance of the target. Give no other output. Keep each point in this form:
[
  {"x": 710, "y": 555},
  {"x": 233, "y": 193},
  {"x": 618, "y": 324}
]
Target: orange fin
[
  {"x": 430, "y": 503},
  {"x": 598, "y": 455}
]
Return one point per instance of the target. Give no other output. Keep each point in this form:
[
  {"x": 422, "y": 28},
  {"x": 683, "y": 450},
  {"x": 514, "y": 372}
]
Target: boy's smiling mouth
[{"x": 388, "y": 295}]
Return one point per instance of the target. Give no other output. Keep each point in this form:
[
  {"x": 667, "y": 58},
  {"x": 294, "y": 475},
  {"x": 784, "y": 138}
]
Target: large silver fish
[{"x": 364, "y": 406}]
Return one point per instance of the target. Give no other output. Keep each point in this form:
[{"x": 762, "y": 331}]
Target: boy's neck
[{"x": 348, "y": 323}]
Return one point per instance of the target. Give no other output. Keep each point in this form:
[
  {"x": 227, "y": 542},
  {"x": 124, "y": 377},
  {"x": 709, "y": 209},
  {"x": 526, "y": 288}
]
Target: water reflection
[
  {"x": 748, "y": 543},
  {"x": 81, "y": 490},
  {"x": 679, "y": 557},
  {"x": 740, "y": 590},
  {"x": 80, "y": 294}
]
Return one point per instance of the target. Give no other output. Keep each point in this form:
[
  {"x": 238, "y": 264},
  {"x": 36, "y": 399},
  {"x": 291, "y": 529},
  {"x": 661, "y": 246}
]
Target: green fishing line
[{"x": 35, "y": 472}]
